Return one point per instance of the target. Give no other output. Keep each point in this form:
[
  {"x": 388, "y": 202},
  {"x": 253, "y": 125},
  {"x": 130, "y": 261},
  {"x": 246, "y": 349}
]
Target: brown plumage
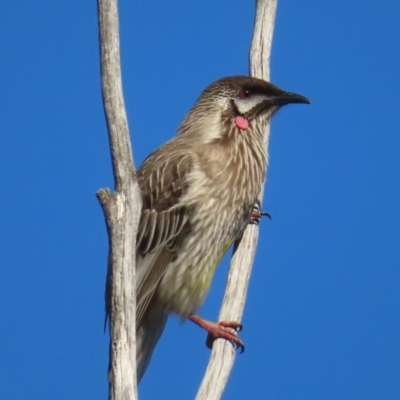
[{"x": 198, "y": 192}]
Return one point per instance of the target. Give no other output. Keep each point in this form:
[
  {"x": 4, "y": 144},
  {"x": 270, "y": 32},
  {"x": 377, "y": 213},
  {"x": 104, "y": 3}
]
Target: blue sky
[{"x": 322, "y": 316}]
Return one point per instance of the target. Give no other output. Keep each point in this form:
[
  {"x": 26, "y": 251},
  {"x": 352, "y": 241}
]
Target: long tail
[{"x": 148, "y": 333}]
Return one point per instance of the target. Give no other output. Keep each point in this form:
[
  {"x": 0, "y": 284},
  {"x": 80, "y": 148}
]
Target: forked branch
[{"x": 122, "y": 211}]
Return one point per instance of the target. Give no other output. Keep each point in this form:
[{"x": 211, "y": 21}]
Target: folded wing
[{"x": 164, "y": 222}]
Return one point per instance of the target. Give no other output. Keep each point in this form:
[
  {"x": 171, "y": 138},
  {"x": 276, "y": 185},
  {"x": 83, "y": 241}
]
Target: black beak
[{"x": 287, "y": 98}]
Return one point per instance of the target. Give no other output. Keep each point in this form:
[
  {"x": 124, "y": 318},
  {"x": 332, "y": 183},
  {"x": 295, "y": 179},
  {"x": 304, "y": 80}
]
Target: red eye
[{"x": 245, "y": 94}]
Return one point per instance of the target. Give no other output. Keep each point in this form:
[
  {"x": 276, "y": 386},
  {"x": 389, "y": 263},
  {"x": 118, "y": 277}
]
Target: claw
[
  {"x": 256, "y": 214},
  {"x": 220, "y": 330}
]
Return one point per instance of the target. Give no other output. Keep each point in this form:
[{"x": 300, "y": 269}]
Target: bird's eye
[{"x": 245, "y": 94}]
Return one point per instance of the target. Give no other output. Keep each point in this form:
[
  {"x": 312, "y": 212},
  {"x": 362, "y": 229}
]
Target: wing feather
[
  {"x": 164, "y": 223},
  {"x": 157, "y": 263}
]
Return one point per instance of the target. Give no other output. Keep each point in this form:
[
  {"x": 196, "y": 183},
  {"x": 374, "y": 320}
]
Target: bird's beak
[{"x": 287, "y": 98}]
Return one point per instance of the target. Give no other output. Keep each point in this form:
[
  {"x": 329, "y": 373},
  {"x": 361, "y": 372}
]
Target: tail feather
[{"x": 148, "y": 333}]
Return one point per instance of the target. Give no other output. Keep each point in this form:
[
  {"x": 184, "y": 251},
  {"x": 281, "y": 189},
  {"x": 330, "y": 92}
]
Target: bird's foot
[
  {"x": 220, "y": 330},
  {"x": 256, "y": 214}
]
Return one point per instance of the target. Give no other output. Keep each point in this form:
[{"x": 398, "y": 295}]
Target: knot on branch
[{"x": 104, "y": 196}]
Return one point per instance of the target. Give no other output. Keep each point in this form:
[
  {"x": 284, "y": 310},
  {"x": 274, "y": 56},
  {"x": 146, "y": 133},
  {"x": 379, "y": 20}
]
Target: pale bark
[
  {"x": 122, "y": 211},
  {"x": 223, "y": 353}
]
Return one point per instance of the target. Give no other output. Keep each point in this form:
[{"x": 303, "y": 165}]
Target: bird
[{"x": 199, "y": 191}]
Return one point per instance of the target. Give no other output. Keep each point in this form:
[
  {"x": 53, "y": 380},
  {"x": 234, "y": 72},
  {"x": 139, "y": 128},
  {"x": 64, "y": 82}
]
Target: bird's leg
[
  {"x": 220, "y": 330},
  {"x": 256, "y": 214}
]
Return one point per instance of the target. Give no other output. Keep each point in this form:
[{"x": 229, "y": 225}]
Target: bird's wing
[{"x": 164, "y": 222}]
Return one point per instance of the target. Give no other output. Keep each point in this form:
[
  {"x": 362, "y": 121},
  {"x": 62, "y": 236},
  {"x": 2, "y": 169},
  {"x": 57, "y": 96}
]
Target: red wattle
[{"x": 241, "y": 122}]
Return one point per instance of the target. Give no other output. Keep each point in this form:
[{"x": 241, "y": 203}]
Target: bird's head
[{"x": 234, "y": 105}]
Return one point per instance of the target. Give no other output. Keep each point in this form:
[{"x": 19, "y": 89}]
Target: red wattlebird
[{"x": 199, "y": 190}]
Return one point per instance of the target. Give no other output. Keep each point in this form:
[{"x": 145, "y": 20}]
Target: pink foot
[{"x": 220, "y": 330}]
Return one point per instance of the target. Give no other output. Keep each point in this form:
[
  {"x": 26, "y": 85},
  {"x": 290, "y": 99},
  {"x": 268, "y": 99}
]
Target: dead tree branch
[
  {"x": 223, "y": 353},
  {"x": 121, "y": 211}
]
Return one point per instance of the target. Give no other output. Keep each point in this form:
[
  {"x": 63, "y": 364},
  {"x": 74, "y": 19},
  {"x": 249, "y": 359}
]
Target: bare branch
[
  {"x": 121, "y": 210},
  {"x": 223, "y": 353}
]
